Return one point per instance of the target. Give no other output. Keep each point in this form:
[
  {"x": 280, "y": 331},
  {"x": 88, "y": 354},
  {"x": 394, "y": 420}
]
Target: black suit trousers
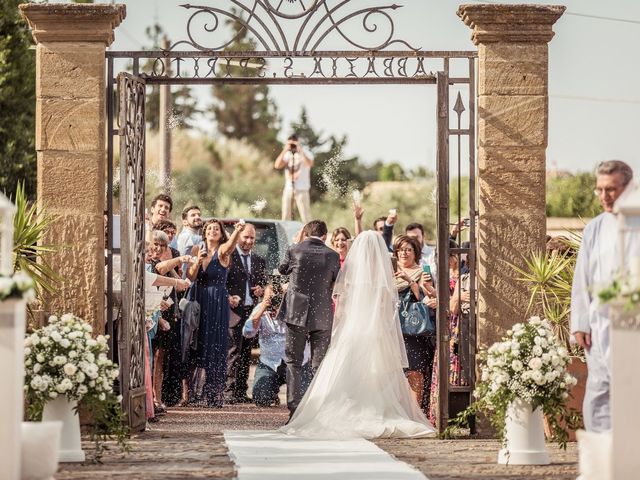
[
  {"x": 238, "y": 358},
  {"x": 294, "y": 355}
]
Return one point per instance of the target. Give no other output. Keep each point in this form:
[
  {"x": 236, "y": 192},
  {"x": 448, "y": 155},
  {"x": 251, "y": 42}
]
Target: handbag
[{"x": 415, "y": 317}]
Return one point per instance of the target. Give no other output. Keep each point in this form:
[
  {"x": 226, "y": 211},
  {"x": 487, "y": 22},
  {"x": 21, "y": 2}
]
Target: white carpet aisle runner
[{"x": 268, "y": 455}]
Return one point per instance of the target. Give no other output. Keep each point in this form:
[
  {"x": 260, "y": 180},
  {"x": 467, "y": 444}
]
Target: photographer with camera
[
  {"x": 297, "y": 163},
  {"x": 271, "y": 371}
]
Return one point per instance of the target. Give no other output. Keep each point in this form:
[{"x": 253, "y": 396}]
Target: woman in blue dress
[{"x": 210, "y": 272}]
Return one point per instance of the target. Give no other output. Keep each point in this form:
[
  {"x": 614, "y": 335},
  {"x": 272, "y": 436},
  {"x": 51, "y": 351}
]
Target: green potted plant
[
  {"x": 29, "y": 254},
  {"x": 549, "y": 277},
  {"x": 523, "y": 377}
]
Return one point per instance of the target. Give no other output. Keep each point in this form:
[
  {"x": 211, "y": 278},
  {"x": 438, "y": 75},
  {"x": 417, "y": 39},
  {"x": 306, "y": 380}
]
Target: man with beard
[
  {"x": 161, "y": 207},
  {"x": 190, "y": 233},
  {"x": 245, "y": 283}
]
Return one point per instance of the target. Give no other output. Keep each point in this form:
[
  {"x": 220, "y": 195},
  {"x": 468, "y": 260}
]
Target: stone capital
[
  {"x": 509, "y": 23},
  {"x": 73, "y": 22}
]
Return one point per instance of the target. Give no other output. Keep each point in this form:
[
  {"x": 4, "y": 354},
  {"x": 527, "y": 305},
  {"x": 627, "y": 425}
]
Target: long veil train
[{"x": 360, "y": 389}]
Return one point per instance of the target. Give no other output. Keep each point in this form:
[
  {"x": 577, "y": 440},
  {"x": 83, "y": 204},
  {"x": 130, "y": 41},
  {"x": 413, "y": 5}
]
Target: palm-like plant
[
  {"x": 29, "y": 225},
  {"x": 549, "y": 276}
]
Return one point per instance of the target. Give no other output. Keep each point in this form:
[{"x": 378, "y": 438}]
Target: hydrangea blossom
[
  {"x": 529, "y": 363},
  {"x": 20, "y": 285},
  {"x": 62, "y": 358}
]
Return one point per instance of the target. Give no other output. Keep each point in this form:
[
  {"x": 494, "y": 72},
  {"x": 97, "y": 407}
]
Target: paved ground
[{"x": 187, "y": 443}]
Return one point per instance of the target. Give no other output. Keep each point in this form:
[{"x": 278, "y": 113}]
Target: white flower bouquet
[
  {"x": 530, "y": 364},
  {"x": 622, "y": 291},
  {"x": 20, "y": 285},
  {"x": 63, "y": 358}
]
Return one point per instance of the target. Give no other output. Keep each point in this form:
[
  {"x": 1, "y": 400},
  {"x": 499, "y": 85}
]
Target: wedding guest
[
  {"x": 210, "y": 271},
  {"x": 455, "y": 368},
  {"x": 161, "y": 207},
  {"x": 190, "y": 234},
  {"x": 384, "y": 226},
  {"x": 168, "y": 227},
  {"x": 153, "y": 311},
  {"x": 597, "y": 264},
  {"x": 168, "y": 372},
  {"x": 271, "y": 371},
  {"x": 340, "y": 242},
  {"x": 410, "y": 277},
  {"x": 245, "y": 283},
  {"x": 427, "y": 253}
]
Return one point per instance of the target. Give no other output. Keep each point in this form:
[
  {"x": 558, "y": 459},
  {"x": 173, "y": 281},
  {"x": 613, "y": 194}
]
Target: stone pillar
[
  {"x": 70, "y": 144},
  {"x": 512, "y": 138}
]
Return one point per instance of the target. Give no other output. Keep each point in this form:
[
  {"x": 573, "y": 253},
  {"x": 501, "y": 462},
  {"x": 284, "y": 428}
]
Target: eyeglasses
[
  {"x": 405, "y": 250},
  {"x": 607, "y": 190}
]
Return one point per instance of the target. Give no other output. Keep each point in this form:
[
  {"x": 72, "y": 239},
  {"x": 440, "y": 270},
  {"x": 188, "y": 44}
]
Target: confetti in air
[
  {"x": 434, "y": 195},
  {"x": 174, "y": 120},
  {"x": 258, "y": 206},
  {"x": 330, "y": 177},
  {"x": 357, "y": 197},
  {"x": 155, "y": 180}
]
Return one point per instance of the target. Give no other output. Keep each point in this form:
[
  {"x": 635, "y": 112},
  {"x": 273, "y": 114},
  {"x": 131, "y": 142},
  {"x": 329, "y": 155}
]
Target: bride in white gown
[{"x": 360, "y": 390}]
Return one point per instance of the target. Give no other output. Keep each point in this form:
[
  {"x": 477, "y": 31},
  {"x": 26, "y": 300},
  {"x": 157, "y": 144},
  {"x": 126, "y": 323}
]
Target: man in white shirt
[
  {"x": 190, "y": 233},
  {"x": 597, "y": 263},
  {"x": 297, "y": 164}
]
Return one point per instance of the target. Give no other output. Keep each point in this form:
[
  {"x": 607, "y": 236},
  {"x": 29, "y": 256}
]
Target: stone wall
[
  {"x": 512, "y": 141},
  {"x": 70, "y": 146}
]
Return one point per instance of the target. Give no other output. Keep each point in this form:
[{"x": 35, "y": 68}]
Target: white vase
[
  {"x": 63, "y": 409},
  {"x": 524, "y": 434},
  {"x": 40, "y": 450},
  {"x": 12, "y": 328}
]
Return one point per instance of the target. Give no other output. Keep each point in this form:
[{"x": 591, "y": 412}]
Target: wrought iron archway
[{"x": 282, "y": 57}]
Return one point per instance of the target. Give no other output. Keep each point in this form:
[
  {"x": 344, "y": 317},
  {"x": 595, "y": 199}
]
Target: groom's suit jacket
[{"x": 312, "y": 268}]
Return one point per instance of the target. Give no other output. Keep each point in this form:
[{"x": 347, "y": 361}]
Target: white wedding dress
[{"x": 360, "y": 390}]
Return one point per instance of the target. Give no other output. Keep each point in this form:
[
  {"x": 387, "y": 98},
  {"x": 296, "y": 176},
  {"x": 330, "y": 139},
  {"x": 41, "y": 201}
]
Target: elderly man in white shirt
[{"x": 596, "y": 266}]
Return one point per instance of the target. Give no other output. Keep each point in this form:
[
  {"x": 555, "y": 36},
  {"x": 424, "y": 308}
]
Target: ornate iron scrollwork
[
  {"x": 316, "y": 20},
  {"x": 132, "y": 170}
]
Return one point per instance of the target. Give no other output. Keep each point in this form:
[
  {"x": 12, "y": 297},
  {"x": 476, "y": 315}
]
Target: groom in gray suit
[{"x": 307, "y": 308}]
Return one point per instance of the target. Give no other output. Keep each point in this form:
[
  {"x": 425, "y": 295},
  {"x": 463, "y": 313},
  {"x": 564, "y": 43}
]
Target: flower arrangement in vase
[
  {"x": 62, "y": 359},
  {"x": 528, "y": 366},
  {"x": 18, "y": 286},
  {"x": 622, "y": 291}
]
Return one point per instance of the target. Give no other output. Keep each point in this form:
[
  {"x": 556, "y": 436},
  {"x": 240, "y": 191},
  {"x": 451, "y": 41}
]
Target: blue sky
[{"x": 594, "y": 105}]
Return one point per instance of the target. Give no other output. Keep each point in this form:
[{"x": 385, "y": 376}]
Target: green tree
[
  {"x": 572, "y": 196},
  {"x": 246, "y": 111},
  {"x": 185, "y": 107},
  {"x": 17, "y": 102},
  {"x": 392, "y": 172},
  {"x": 332, "y": 172}
]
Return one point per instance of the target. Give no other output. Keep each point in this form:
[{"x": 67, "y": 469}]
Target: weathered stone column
[
  {"x": 512, "y": 138},
  {"x": 70, "y": 144}
]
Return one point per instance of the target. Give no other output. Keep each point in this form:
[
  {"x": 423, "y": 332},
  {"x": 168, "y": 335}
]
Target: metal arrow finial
[{"x": 459, "y": 106}]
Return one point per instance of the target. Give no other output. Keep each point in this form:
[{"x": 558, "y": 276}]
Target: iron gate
[
  {"x": 296, "y": 61},
  {"x": 131, "y": 331}
]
